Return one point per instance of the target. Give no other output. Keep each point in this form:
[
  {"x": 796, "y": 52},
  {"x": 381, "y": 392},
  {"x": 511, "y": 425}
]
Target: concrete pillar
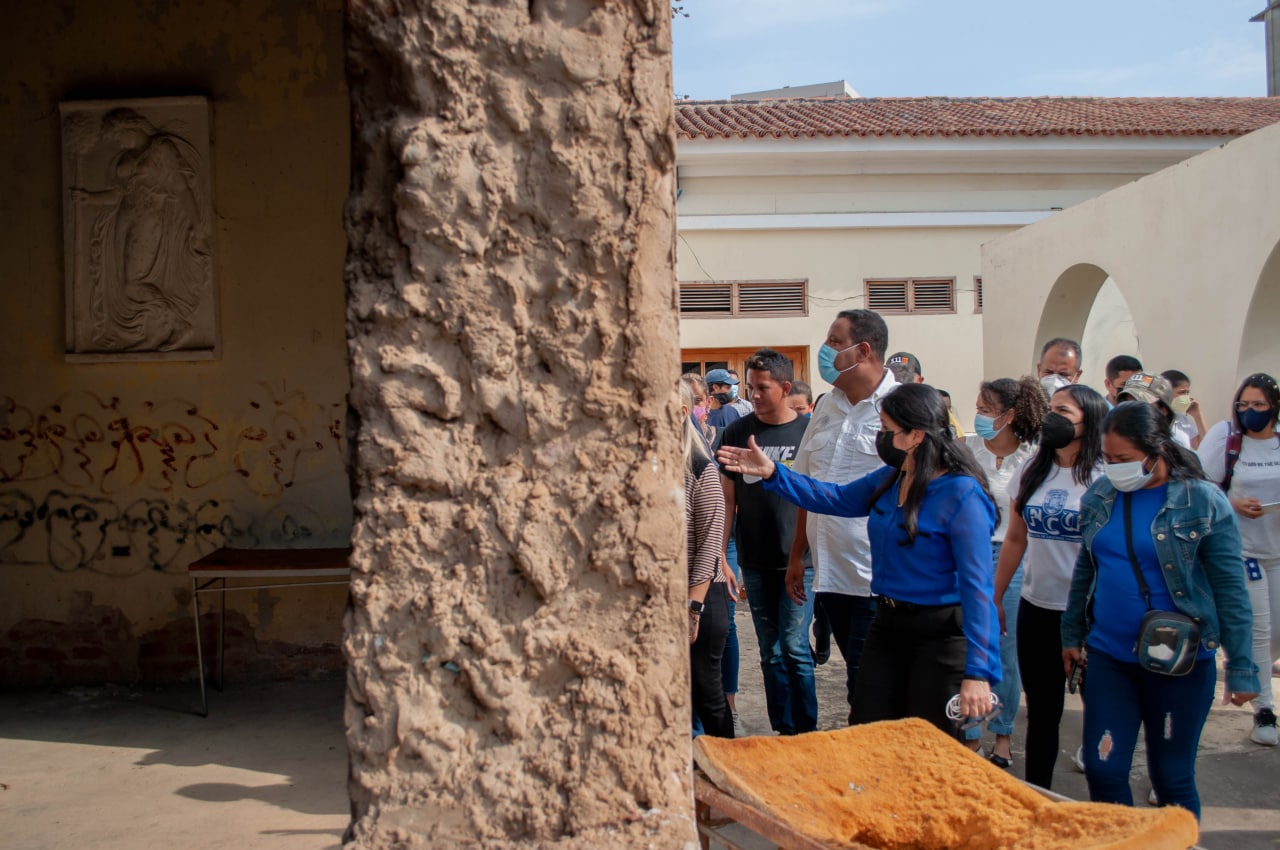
[{"x": 517, "y": 637}]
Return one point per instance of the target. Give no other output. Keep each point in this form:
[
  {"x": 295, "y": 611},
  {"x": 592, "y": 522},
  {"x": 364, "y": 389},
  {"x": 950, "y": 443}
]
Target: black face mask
[
  {"x": 1056, "y": 431},
  {"x": 889, "y": 453},
  {"x": 723, "y": 398}
]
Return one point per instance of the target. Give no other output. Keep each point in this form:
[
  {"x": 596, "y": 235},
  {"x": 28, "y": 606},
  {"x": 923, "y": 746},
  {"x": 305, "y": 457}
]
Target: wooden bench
[{"x": 210, "y": 574}]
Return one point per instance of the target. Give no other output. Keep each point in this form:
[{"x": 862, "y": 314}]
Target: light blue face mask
[
  {"x": 733, "y": 390},
  {"x": 1128, "y": 477},
  {"x": 985, "y": 426},
  {"x": 827, "y": 362}
]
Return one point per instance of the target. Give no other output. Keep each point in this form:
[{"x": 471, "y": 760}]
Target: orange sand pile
[{"x": 904, "y": 785}]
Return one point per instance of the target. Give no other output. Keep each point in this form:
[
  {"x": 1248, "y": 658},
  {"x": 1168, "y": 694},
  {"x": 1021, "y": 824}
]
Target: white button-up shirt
[{"x": 839, "y": 446}]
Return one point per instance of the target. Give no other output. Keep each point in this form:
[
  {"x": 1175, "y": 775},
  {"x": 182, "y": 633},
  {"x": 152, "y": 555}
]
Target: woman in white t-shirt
[
  {"x": 1253, "y": 485},
  {"x": 1007, "y": 424},
  {"x": 1044, "y": 535}
]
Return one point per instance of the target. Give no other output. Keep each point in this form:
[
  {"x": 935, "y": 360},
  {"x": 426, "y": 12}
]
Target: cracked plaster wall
[{"x": 518, "y": 662}]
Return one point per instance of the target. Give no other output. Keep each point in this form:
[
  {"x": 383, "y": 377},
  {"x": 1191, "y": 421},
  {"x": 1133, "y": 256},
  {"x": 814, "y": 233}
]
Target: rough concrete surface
[{"x": 518, "y": 669}]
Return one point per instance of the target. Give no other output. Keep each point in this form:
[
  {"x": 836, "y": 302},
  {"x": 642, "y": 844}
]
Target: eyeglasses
[{"x": 1242, "y": 406}]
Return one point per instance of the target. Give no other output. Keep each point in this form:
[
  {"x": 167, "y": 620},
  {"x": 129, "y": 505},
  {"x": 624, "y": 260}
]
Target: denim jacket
[{"x": 1197, "y": 539}]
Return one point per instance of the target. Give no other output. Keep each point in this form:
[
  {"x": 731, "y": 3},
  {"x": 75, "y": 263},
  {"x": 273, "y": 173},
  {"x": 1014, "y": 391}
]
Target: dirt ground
[{"x": 118, "y": 768}]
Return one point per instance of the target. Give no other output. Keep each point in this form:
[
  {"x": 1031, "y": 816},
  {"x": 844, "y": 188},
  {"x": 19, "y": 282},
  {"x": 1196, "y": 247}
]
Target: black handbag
[{"x": 1167, "y": 640}]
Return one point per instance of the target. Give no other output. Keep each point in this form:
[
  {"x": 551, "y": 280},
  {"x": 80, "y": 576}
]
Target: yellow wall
[{"x": 166, "y": 460}]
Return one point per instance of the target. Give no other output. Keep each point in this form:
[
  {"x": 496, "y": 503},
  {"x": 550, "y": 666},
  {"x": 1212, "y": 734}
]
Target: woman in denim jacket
[{"x": 1187, "y": 544}]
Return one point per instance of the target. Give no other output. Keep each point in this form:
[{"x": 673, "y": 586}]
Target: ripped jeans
[
  {"x": 782, "y": 631},
  {"x": 1119, "y": 697}
]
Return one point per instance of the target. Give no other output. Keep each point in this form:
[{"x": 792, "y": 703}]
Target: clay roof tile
[{"x": 944, "y": 116}]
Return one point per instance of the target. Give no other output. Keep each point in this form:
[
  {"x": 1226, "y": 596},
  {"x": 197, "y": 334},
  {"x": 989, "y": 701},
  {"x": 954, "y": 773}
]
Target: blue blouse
[
  {"x": 1118, "y": 606},
  {"x": 949, "y": 562}
]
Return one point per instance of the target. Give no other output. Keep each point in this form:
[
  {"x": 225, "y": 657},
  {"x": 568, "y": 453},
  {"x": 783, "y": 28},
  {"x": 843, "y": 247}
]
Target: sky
[{"x": 968, "y": 48}]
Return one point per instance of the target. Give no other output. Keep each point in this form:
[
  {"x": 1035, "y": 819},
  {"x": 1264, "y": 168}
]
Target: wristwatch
[{"x": 695, "y": 607}]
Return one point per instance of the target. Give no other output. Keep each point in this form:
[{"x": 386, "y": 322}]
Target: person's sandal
[{"x": 1001, "y": 761}]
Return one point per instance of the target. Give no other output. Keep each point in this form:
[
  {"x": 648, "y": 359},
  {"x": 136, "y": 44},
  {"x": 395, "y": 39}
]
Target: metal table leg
[
  {"x": 222, "y": 636},
  {"x": 195, "y": 603}
]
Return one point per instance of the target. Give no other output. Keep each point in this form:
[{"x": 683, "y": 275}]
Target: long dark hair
[
  {"x": 1261, "y": 381},
  {"x": 1024, "y": 397},
  {"x": 919, "y": 407},
  {"x": 1094, "y": 409},
  {"x": 1145, "y": 426}
]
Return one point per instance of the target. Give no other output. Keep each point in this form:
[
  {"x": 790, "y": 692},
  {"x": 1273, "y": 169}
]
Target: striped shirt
[{"x": 704, "y": 519}]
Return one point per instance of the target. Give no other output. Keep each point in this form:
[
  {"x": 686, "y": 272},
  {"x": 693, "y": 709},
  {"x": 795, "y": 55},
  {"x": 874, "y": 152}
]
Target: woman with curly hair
[{"x": 1005, "y": 431}]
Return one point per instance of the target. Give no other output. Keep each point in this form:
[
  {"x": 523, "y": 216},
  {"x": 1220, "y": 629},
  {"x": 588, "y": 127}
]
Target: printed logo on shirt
[
  {"x": 780, "y": 454},
  {"x": 1051, "y": 520}
]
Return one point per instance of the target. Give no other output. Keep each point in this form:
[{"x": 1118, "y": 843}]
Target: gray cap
[{"x": 1145, "y": 387}]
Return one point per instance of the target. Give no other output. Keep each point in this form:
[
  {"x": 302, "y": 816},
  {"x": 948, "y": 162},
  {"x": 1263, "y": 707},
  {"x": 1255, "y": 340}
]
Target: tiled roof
[{"x": 977, "y": 116}]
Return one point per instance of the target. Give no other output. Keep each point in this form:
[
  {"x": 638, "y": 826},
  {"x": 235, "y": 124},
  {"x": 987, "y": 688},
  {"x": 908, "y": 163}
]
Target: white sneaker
[
  {"x": 1152, "y": 799},
  {"x": 1264, "y": 728},
  {"x": 739, "y": 731},
  {"x": 1078, "y": 758}
]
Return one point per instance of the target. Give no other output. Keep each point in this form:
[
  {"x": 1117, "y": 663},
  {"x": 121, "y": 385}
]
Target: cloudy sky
[{"x": 957, "y": 48}]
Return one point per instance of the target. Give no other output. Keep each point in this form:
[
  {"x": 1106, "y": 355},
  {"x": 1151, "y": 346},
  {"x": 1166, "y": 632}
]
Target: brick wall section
[
  {"x": 98, "y": 646},
  {"x": 518, "y": 646}
]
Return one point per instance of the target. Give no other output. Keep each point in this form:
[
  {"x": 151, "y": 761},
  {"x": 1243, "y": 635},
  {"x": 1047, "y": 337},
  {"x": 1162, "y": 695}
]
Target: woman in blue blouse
[
  {"x": 930, "y": 519},
  {"x": 1187, "y": 545}
]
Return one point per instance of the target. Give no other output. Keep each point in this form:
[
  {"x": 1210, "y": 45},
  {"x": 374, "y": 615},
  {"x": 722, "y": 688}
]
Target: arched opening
[
  {"x": 1109, "y": 330},
  {"x": 1086, "y": 305},
  {"x": 1260, "y": 348}
]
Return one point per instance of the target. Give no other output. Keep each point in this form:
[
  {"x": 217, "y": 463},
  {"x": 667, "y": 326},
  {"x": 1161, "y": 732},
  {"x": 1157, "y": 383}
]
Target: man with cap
[
  {"x": 1153, "y": 389},
  {"x": 720, "y": 410},
  {"x": 905, "y": 366}
]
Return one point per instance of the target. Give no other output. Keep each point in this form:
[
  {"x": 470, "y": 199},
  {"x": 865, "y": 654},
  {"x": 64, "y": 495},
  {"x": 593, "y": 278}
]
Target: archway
[
  {"x": 1260, "y": 347},
  {"x": 1109, "y": 330},
  {"x": 1086, "y": 305}
]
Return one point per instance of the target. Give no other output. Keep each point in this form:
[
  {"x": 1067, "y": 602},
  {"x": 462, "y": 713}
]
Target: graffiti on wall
[
  {"x": 100, "y": 485},
  {"x": 73, "y": 531},
  {"x": 90, "y": 443}
]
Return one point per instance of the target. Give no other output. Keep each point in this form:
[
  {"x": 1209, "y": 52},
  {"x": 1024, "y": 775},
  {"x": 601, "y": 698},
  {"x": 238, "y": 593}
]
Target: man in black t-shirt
[{"x": 765, "y": 529}]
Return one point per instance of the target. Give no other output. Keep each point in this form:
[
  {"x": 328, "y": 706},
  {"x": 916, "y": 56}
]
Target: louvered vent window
[
  {"x": 706, "y": 299},
  {"x": 744, "y": 298},
  {"x": 937, "y": 295},
  {"x": 933, "y": 296},
  {"x": 977, "y": 295},
  {"x": 887, "y": 296}
]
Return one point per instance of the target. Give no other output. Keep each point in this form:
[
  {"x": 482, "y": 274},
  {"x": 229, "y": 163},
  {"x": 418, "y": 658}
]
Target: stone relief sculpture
[{"x": 138, "y": 220}]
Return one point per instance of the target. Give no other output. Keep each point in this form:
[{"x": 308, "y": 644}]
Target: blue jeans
[
  {"x": 782, "y": 630},
  {"x": 1010, "y": 688},
  {"x": 729, "y": 661},
  {"x": 1172, "y": 710}
]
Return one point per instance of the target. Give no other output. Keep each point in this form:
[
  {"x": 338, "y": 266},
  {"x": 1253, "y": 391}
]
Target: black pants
[
  {"x": 1043, "y": 683},
  {"x": 850, "y": 619},
  {"x": 912, "y": 663},
  {"x": 704, "y": 664}
]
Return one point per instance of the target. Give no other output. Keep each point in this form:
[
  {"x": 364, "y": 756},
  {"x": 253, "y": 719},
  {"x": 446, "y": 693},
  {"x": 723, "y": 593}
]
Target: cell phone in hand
[{"x": 1073, "y": 679}]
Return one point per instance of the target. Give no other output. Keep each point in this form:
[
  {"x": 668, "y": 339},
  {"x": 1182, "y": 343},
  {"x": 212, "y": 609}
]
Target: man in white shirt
[{"x": 840, "y": 446}]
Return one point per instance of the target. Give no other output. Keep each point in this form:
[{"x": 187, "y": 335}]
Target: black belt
[{"x": 899, "y": 605}]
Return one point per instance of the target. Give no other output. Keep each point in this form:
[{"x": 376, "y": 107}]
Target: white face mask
[
  {"x": 1181, "y": 404},
  {"x": 1128, "y": 477},
  {"x": 1052, "y": 383}
]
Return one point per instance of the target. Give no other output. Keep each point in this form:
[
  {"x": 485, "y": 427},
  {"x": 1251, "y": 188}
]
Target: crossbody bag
[{"x": 1167, "y": 640}]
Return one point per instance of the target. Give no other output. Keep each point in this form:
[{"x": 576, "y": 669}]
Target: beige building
[
  {"x": 1194, "y": 255},
  {"x": 790, "y": 211}
]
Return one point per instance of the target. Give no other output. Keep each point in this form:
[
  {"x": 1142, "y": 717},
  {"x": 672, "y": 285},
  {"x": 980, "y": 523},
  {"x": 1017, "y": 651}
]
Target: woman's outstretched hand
[{"x": 748, "y": 461}]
